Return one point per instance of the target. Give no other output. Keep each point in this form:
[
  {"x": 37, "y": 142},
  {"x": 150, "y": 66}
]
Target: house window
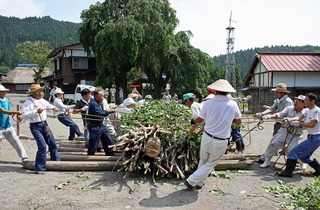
[
  {"x": 22, "y": 87},
  {"x": 80, "y": 63}
]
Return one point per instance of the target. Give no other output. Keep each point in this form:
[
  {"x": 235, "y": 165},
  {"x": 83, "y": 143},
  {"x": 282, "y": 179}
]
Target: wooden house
[
  {"x": 72, "y": 66},
  {"x": 300, "y": 71}
]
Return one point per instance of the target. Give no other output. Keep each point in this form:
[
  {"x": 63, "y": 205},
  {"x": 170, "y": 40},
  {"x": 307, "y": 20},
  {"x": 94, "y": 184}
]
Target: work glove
[
  {"x": 295, "y": 123},
  {"x": 258, "y": 115},
  {"x": 85, "y": 108},
  {"x": 265, "y": 117}
]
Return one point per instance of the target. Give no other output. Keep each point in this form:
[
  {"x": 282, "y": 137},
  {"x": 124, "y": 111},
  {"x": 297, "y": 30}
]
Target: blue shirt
[
  {"x": 4, "y": 118},
  {"x": 95, "y": 110}
]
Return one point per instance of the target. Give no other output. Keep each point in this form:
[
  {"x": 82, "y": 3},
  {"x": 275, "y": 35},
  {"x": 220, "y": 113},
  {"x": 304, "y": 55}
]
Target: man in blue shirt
[
  {"x": 97, "y": 130},
  {"x": 6, "y": 127}
]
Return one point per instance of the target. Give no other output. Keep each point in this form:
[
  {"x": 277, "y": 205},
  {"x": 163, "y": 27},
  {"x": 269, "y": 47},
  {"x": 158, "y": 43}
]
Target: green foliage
[
  {"x": 219, "y": 192},
  {"x": 299, "y": 198},
  {"x": 62, "y": 185},
  {"x": 35, "y": 52},
  {"x": 174, "y": 120},
  {"x": 14, "y": 30},
  {"x": 4, "y": 69}
]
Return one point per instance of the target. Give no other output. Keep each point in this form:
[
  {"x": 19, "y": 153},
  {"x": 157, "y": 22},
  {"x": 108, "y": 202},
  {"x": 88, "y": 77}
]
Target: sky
[{"x": 257, "y": 23}]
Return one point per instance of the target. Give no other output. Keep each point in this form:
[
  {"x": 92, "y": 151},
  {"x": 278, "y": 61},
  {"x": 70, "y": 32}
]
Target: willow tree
[
  {"x": 35, "y": 52},
  {"x": 126, "y": 35}
]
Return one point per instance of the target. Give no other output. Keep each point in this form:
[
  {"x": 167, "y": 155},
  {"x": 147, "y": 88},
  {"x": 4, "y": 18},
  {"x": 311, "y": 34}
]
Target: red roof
[{"x": 291, "y": 61}]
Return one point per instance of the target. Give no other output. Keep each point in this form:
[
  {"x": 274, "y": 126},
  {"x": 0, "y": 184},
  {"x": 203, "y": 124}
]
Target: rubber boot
[
  {"x": 316, "y": 166},
  {"x": 266, "y": 163},
  {"x": 290, "y": 166}
]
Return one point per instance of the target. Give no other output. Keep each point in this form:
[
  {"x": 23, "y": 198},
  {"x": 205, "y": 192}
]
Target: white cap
[
  {"x": 2, "y": 88},
  {"x": 128, "y": 101},
  {"x": 59, "y": 91}
]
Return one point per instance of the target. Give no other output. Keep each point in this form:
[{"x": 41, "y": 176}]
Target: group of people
[
  {"x": 301, "y": 114},
  {"x": 219, "y": 112}
]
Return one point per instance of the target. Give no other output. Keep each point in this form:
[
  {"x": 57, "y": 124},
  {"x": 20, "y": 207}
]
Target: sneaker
[
  {"x": 189, "y": 186},
  {"x": 24, "y": 159},
  {"x": 39, "y": 172},
  {"x": 260, "y": 161}
]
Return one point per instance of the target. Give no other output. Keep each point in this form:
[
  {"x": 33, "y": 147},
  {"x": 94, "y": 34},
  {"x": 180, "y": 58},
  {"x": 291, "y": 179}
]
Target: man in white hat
[
  {"x": 64, "y": 118},
  {"x": 6, "y": 127},
  {"x": 280, "y": 103},
  {"x": 285, "y": 138},
  {"x": 216, "y": 133},
  {"x": 34, "y": 109}
]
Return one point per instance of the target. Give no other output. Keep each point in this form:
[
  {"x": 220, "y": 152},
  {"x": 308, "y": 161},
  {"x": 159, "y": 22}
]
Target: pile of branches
[{"x": 156, "y": 140}]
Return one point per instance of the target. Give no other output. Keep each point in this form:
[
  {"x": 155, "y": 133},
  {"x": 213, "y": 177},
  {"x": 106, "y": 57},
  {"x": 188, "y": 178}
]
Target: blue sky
[{"x": 257, "y": 23}]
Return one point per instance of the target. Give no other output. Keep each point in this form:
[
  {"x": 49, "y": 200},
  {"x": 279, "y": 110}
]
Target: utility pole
[{"x": 230, "y": 62}]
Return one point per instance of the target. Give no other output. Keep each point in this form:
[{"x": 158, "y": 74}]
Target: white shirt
[
  {"x": 122, "y": 110},
  {"x": 290, "y": 112},
  {"x": 195, "y": 109},
  {"x": 313, "y": 114},
  {"x": 62, "y": 108},
  {"x": 219, "y": 113},
  {"x": 30, "y": 107}
]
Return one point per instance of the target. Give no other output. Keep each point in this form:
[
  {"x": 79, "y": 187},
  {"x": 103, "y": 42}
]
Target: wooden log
[
  {"x": 76, "y": 165},
  {"x": 87, "y": 158},
  {"x": 233, "y": 164},
  {"x": 71, "y": 149},
  {"x": 85, "y": 153},
  {"x": 242, "y": 156},
  {"x": 66, "y": 144}
]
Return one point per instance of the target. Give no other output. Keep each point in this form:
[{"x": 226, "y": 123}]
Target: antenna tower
[{"x": 230, "y": 62}]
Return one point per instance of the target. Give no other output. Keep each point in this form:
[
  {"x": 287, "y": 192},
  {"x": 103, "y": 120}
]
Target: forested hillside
[
  {"x": 14, "y": 30},
  {"x": 244, "y": 57}
]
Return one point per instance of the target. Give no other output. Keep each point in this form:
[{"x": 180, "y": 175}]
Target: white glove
[
  {"x": 85, "y": 108},
  {"x": 295, "y": 123},
  {"x": 266, "y": 117},
  {"x": 258, "y": 115}
]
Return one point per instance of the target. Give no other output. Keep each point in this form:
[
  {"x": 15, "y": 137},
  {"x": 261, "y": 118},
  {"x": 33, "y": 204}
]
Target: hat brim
[
  {"x": 4, "y": 90},
  {"x": 281, "y": 91},
  {"x": 41, "y": 88},
  {"x": 298, "y": 98}
]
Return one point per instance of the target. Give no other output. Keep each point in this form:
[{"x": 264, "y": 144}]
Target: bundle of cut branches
[{"x": 156, "y": 140}]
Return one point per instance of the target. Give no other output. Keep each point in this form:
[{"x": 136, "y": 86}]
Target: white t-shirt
[
  {"x": 219, "y": 113},
  {"x": 195, "y": 109},
  {"x": 313, "y": 114}
]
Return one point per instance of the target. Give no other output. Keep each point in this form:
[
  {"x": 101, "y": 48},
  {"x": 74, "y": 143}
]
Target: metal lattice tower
[{"x": 230, "y": 62}]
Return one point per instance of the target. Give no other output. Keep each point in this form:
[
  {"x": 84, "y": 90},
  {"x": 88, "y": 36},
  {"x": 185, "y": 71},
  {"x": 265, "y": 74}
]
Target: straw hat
[
  {"x": 281, "y": 87},
  {"x": 34, "y": 88},
  {"x": 222, "y": 85},
  {"x": 2, "y": 88}
]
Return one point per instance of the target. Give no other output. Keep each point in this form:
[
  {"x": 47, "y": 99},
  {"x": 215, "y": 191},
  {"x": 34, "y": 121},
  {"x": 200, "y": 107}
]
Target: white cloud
[{"x": 21, "y": 8}]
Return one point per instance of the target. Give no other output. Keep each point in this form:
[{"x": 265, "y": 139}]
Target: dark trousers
[
  {"x": 236, "y": 137},
  {"x": 73, "y": 127},
  {"x": 43, "y": 136},
  {"x": 97, "y": 132}
]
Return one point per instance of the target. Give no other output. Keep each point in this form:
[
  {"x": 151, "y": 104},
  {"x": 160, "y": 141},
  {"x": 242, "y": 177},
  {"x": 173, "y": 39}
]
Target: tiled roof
[{"x": 291, "y": 61}]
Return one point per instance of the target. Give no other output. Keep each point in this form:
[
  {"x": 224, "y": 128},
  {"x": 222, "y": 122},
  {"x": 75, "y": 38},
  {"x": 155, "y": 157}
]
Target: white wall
[
  {"x": 297, "y": 79},
  {"x": 77, "y": 53}
]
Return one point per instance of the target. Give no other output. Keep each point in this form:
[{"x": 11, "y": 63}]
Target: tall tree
[
  {"x": 35, "y": 52},
  {"x": 128, "y": 35}
]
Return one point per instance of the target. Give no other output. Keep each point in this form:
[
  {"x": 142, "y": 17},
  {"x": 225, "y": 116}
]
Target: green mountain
[
  {"x": 245, "y": 57},
  {"x": 15, "y": 30}
]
